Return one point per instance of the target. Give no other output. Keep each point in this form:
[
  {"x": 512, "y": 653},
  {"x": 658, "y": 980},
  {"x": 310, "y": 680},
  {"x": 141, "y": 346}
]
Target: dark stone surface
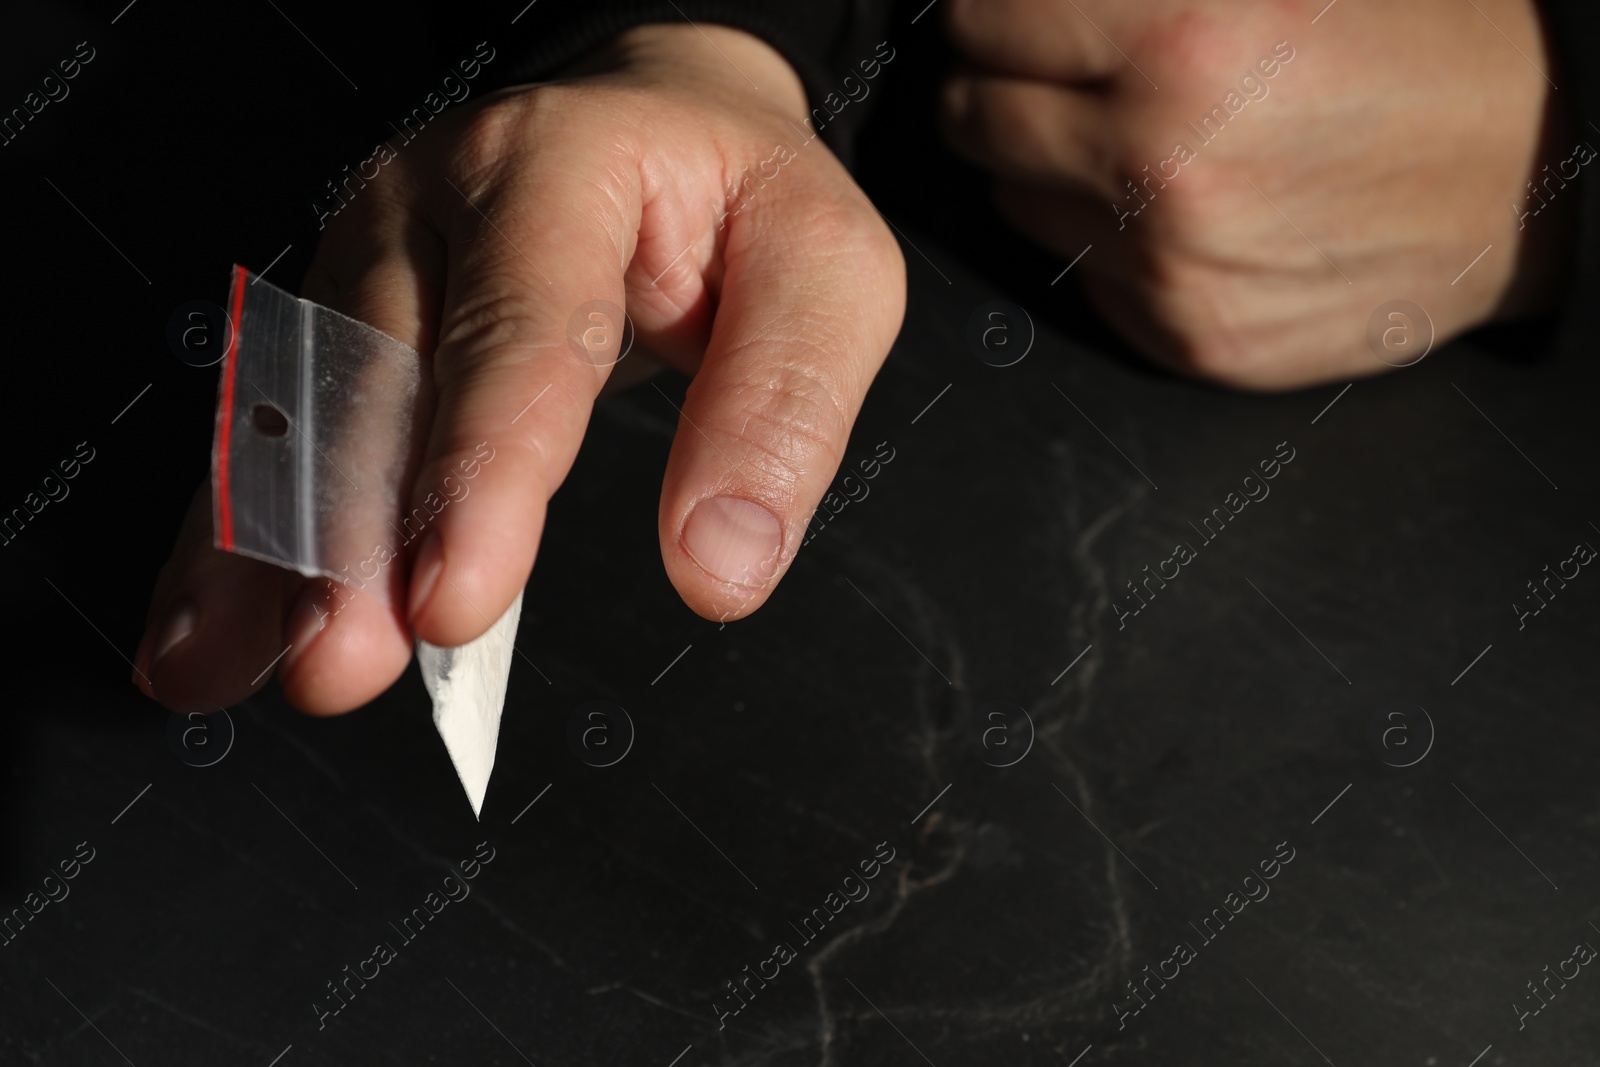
[
  {"x": 1177, "y": 753},
  {"x": 1229, "y": 719}
]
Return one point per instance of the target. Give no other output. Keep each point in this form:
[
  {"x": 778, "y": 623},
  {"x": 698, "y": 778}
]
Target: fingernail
[
  {"x": 307, "y": 619},
  {"x": 180, "y": 624},
  {"x": 425, "y": 573},
  {"x": 733, "y": 539}
]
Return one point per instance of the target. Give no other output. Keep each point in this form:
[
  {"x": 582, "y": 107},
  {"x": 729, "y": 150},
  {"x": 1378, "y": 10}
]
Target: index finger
[{"x": 514, "y": 395}]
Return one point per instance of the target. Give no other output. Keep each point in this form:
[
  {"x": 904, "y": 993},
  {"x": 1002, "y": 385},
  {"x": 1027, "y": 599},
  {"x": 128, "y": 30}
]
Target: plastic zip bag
[
  {"x": 319, "y": 436},
  {"x": 318, "y": 433}
]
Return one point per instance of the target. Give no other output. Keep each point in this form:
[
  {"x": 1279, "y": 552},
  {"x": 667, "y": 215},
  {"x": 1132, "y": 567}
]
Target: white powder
[{"x": 468, "y": 687}]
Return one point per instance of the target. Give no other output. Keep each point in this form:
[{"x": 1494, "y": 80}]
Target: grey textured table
[{"x": 1249, "y": 719}]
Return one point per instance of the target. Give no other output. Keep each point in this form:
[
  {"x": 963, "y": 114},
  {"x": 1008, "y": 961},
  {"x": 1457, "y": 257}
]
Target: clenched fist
[{"x": 1256, "y": 178}]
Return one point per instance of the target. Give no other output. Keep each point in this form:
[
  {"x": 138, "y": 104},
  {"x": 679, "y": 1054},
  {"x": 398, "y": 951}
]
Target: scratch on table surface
[
  {"x": 651, "y": 998},
  {"x": 708, "y": 904},
  {"x": 904, "y": 891},
  {"x": 311, "y": 754},
  {"x": 1404, "y": 1003},
  {"x": 914, "y": 610},
  {"x": 1088, "y": 615},
  {"x": 522, "y": 935},
  {"x": 1067, "y": 708},
  {"x": 795, "y": 806},
  {"x": 1444, "y": 876},
  {"x": 1060, "y": 713},
  {"x": 193, "y": 1020},
  {"x": 248, "y": 861},
  {"x": 1119, "y": 952}
]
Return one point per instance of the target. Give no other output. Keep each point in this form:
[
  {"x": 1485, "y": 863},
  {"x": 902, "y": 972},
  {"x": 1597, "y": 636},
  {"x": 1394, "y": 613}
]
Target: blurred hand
[
  {"x": 1286, "y": 178},
  {"x": 657, "y": 178}
]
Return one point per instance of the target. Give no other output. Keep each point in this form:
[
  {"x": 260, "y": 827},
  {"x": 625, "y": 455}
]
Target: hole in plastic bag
[{"x": 269, "y": 421}]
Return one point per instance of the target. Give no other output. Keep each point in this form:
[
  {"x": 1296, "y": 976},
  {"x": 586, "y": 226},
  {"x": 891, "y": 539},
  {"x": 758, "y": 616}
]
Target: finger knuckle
[
  {"x": 1001, "y": 126},
  {"x": 1220, "y": 346},
  {"x": 485, "y": 323},
  {"x": 1216, "y": 358},
  {"x": 486, "y": 135},
  {"x": 857, "y": 238},
  {"x": 504, "y": 131},
  {"x": 789, "y": 422},
  {"x": 1184, "y": 206},
  {"x": 1196, "y": 48},
  {"x": 875, "y": 252},
  {"x": 963, "y": 19}
]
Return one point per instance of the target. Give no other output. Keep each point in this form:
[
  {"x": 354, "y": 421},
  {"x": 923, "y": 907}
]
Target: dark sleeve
[
  {"x": 824, "y": 40},
  {"x": 1574, "y": 29}
]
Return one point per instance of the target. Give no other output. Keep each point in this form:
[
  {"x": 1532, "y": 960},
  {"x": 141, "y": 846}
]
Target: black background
[{"x": 1197, "y": 739}]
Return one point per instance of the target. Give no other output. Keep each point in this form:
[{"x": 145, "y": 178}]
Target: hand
[
  {"x": 1286, "y": 178},
  {"x": 658, "y": 178}
]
